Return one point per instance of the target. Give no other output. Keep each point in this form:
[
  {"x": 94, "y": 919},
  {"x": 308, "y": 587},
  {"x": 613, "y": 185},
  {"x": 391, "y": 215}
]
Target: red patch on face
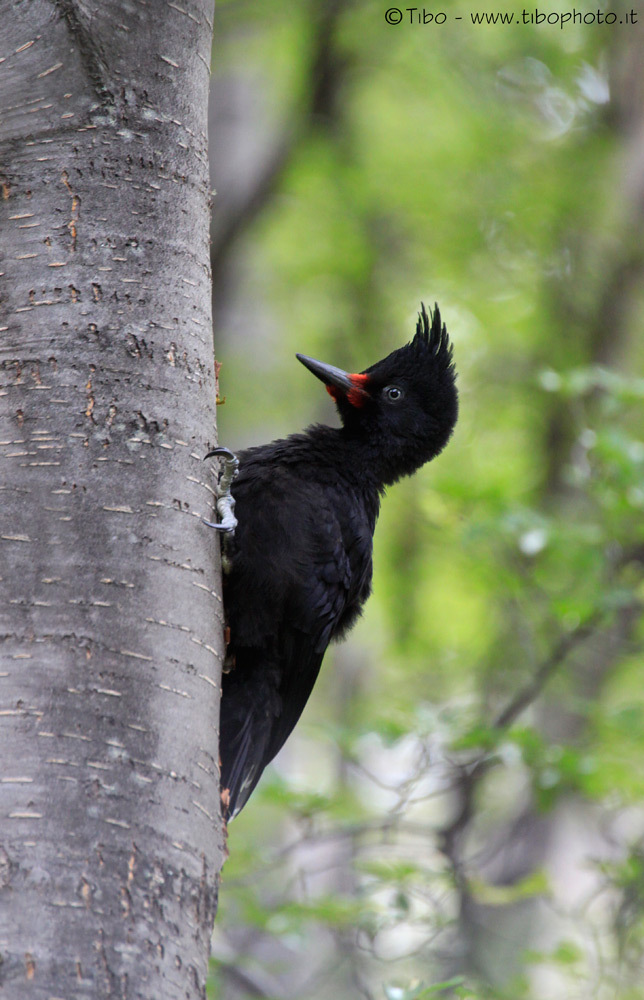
[{"x": 358, "y": 396}]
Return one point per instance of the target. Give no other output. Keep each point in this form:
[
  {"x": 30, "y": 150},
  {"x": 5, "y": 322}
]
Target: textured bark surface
[{"x": 110, "y": 610}]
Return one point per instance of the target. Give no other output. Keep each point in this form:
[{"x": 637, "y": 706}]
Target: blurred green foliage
[{"x": 488, "y": 169}]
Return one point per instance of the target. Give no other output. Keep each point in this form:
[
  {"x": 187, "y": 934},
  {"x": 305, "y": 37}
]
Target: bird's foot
[{"x": 225, "y": 504}]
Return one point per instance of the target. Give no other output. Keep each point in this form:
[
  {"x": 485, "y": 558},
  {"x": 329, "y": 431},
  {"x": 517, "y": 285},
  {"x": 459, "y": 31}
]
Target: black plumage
[{"x": 300, "y": 559}]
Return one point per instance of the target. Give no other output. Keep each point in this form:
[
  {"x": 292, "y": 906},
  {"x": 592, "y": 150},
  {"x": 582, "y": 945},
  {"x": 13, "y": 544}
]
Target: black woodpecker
[{"x": 299, "y": 562}]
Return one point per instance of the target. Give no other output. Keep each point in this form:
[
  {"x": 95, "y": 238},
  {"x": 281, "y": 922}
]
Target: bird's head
[{"x": 406, "y": 404}]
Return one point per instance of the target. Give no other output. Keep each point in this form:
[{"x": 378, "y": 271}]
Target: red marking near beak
[{"x": 357, "y": 396}]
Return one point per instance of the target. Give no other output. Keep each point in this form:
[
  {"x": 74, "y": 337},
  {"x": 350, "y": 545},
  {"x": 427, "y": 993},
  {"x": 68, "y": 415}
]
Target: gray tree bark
[{"x": 110, "y": 598}]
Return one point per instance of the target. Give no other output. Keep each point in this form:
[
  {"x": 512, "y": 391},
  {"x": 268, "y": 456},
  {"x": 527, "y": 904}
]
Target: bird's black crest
[{"x": 432, "y": 336}]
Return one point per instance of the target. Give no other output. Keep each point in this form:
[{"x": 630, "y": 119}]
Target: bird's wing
[
  {"x": 278, "y": 656},
  {"x": 316, "y": 605}
]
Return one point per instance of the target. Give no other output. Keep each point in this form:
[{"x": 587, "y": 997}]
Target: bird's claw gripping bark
[{"x": 225, "y": 504}]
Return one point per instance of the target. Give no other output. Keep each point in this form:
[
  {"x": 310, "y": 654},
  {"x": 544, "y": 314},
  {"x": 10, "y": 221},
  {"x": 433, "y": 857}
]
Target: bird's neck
[{"x": 358, "y": 459}]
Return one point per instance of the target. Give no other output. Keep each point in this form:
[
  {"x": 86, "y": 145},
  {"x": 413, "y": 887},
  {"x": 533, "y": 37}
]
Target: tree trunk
[{"x": 110, "y": 606}]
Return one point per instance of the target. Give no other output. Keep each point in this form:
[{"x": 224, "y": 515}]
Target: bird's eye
[{"x": 393, "y": 393}]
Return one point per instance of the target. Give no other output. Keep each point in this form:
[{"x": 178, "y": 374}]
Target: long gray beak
[{"x": 328, "y": 373}]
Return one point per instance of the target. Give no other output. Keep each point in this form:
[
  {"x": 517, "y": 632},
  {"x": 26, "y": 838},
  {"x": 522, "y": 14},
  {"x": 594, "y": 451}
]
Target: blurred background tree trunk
[
  {"x": 110, "y": 603},
  {"x": 492, "y": 937}
]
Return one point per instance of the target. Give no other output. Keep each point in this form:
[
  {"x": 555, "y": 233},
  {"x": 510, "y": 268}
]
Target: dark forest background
[{"x": 462, "y": 801}]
